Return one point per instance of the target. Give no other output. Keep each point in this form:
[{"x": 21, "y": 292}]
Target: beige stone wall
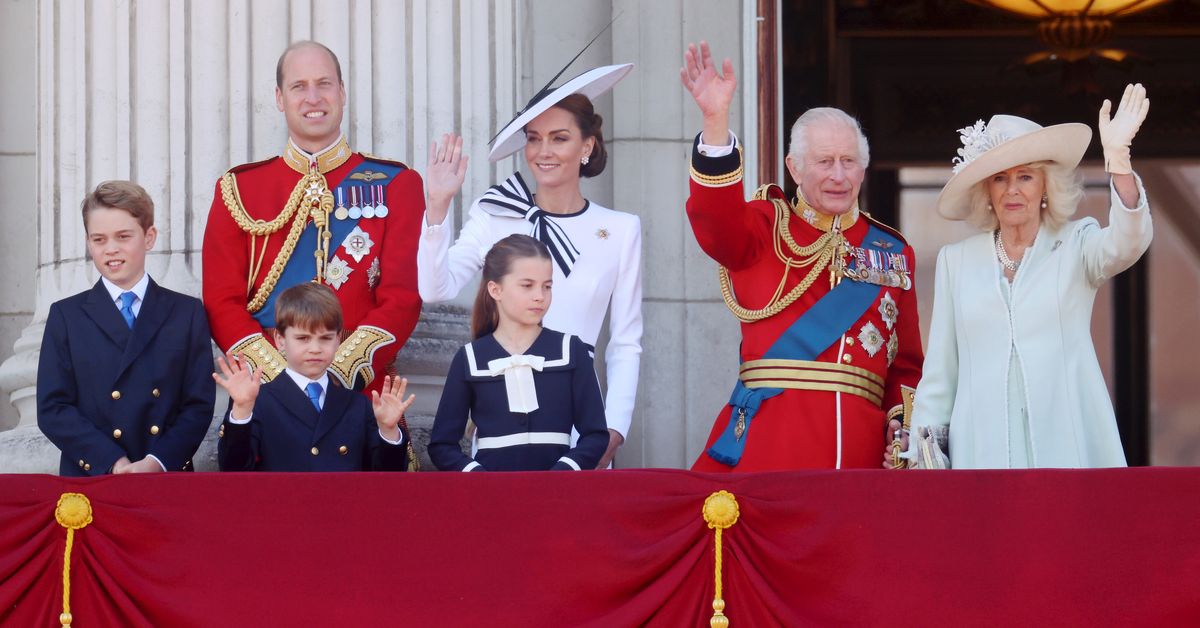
[{"x": 18, "y": 177}]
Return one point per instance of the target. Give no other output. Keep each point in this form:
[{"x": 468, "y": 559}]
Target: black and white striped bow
[{"x": 513, "y": 199}]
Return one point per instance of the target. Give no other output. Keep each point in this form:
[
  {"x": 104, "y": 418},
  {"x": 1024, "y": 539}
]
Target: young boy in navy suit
[
  {"x": 123, "y": 380},
  {"x": 300, "y": 422}
]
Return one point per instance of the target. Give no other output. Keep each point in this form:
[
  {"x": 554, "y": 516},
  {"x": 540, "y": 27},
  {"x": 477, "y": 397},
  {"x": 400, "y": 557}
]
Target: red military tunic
[
  {"x": 803, "y": 428},
  {"x": 372, "y": 270}
]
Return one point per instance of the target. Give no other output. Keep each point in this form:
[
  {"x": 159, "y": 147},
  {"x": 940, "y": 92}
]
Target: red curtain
[{"x": 623, "y": 548}]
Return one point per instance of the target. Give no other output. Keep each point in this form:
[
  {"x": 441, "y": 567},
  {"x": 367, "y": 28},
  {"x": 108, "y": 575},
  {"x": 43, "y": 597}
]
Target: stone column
[
  {"x": 690, "y": 346},
  {"x": 172, "y": 94}
]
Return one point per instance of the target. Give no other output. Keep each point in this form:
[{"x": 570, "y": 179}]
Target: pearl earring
[
  {"x": 584, "y": 161},
  {"x": 990, "y": 208},
  {"x": 1045, "y": 202}
]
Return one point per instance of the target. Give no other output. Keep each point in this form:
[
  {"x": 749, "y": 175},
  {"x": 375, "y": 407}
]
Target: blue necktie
[
  {"x": 127, "y": 299},
  {"x": 314, "y": 394}
]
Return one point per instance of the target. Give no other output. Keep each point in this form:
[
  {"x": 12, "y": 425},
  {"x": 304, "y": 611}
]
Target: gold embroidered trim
[
  {"x": 354, "y": 355},
  {"x": 820, "y": 386},
  {"x": 720, "y": 180},
  {"x": 856, "y": 371},
  {"x": 261, "y": 353},
  {"x": 806, "y": 375},
  {"x": 327, "y": 159}
]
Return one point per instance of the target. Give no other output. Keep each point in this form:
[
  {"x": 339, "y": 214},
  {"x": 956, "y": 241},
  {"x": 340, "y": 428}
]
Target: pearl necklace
[{"x": 1002, "y": 255}]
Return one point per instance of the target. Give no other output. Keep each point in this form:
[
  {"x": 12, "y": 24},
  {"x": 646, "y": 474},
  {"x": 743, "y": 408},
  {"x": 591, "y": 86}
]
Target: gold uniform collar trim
[
  {"x": 327, "y": 159},
  {"x": 822, "y": 221}
]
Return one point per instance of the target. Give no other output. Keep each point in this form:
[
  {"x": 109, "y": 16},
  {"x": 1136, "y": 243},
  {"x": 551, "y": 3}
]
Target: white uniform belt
[
  {"x": 809, "y": 375},
  {"x": 524, "y": 438}
]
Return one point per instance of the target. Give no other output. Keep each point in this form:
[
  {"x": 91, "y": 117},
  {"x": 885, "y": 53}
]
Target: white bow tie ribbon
[
  {"x": 513, "y": 199},
  {"x": 518, "y": 380}
]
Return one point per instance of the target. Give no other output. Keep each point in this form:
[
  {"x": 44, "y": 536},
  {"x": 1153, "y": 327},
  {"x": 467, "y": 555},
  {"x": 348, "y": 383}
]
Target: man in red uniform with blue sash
[
  {"x": 319, "y": 212},
  {"x": 825, "y": 295}
]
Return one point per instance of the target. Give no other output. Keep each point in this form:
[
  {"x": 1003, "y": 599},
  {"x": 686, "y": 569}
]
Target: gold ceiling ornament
[{"x": 1073, "y": 29}]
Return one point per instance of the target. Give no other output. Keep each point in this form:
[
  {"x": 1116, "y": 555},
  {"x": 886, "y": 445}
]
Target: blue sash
[
  {"x": 812, "y": 333},
  {"x": 302, "y": 266}
]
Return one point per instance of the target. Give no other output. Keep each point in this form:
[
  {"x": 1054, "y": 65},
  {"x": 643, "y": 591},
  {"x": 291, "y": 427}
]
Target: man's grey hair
[{"x": 823, "y": 115}]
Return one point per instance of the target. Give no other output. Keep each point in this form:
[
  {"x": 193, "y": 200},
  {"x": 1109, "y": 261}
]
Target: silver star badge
[
  {"x": 337, "y": 271},
  {"x": 358, "y": 244},
  {"x": 888, "y": 310},
  {"x": 870, "y": 338}
]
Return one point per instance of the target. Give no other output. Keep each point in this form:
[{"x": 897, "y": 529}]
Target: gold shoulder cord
[
  {"x": 817, "y": 255},
  {"x": 313, "y": 189}
]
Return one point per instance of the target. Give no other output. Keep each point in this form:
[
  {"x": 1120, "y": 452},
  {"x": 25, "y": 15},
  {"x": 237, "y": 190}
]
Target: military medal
[
  {"x": 879, "y": 267},
  {"x": 355, "y": 211},
  {"x": 341, "y": 213},
  {"x": 368, "y": 210},
  {"x": 357, "y": 244},
  {"x": 381, "y": 208}
]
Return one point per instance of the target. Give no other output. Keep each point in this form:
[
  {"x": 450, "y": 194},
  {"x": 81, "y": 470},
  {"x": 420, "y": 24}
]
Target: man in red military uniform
[
  {"x": 825, "y": 294},
  {"x": 319, "y": 212}
]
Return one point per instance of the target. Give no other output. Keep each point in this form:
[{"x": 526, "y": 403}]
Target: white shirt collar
[
  {"x": 313, "y": 157},
  {"x": 303, "y": 381},
  {"x": 115, "y": 291}
]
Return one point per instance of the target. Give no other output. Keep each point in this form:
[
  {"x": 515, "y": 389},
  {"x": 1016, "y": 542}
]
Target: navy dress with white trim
[{"x": 485, "y": 383}]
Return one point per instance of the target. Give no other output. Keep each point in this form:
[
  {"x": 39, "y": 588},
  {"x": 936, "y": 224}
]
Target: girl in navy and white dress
[
  {"x": 596, "y": 251},
  {"x": 523, "y": 385}
]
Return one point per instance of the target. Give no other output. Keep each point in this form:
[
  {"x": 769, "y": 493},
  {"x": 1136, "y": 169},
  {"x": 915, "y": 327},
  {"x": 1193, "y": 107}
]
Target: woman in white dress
[
  {"x": 597, "y": 251},
  {"x": 1010, "y": 372}
]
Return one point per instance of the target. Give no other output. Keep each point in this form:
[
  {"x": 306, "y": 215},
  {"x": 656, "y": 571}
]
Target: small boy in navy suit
[
  {"x": 300, "y": 422},
  {"x": 123, "y": 380}
]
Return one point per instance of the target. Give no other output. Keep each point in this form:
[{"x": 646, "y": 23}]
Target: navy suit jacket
[
  {"x": 286, "y": 433},
  {"x": 105, "y": 391}
]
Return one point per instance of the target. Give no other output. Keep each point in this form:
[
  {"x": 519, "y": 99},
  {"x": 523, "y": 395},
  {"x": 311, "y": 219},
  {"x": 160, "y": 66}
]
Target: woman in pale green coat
[{"x": 1011, "y": 373}]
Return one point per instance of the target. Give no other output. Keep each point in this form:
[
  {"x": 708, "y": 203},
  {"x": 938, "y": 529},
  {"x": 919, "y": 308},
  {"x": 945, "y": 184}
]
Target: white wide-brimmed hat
[
  {"x": 1007, "y": 142},
  {"x": 591, "y": 84}
]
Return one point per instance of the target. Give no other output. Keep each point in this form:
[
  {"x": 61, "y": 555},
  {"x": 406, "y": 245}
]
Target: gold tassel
[
  {"x": 720, "y": 512},
  {"x": 74, "y": 512}
]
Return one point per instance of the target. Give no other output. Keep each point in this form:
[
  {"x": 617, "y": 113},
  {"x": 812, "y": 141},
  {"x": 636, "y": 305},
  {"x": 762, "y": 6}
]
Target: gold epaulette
[
  {"x": 353, "y": 357},
  {"x": 260, "y": 353},
  {"x": 720, "y": 180},
  {"x": 765, "y": 193}
]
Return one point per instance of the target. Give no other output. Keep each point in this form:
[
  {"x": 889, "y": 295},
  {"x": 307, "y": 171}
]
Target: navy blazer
[
  {"x": 286, "y": 433},
  {"x": 105, "y": 391}
]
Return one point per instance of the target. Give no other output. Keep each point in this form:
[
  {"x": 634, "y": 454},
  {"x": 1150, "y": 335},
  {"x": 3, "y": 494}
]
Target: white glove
[{"x": 1116, "y": 134}]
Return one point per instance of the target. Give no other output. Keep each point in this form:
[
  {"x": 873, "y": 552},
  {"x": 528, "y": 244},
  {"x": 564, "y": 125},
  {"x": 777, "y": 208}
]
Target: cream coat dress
[{"x": 1045, "y": 324}]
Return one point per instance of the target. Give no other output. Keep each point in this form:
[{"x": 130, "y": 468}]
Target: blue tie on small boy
[{"x": 314, "y": 394}]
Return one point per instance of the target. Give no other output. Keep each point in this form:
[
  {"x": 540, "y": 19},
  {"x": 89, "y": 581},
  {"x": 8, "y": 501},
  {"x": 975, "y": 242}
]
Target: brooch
[{"x": 602, "y": 233}]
